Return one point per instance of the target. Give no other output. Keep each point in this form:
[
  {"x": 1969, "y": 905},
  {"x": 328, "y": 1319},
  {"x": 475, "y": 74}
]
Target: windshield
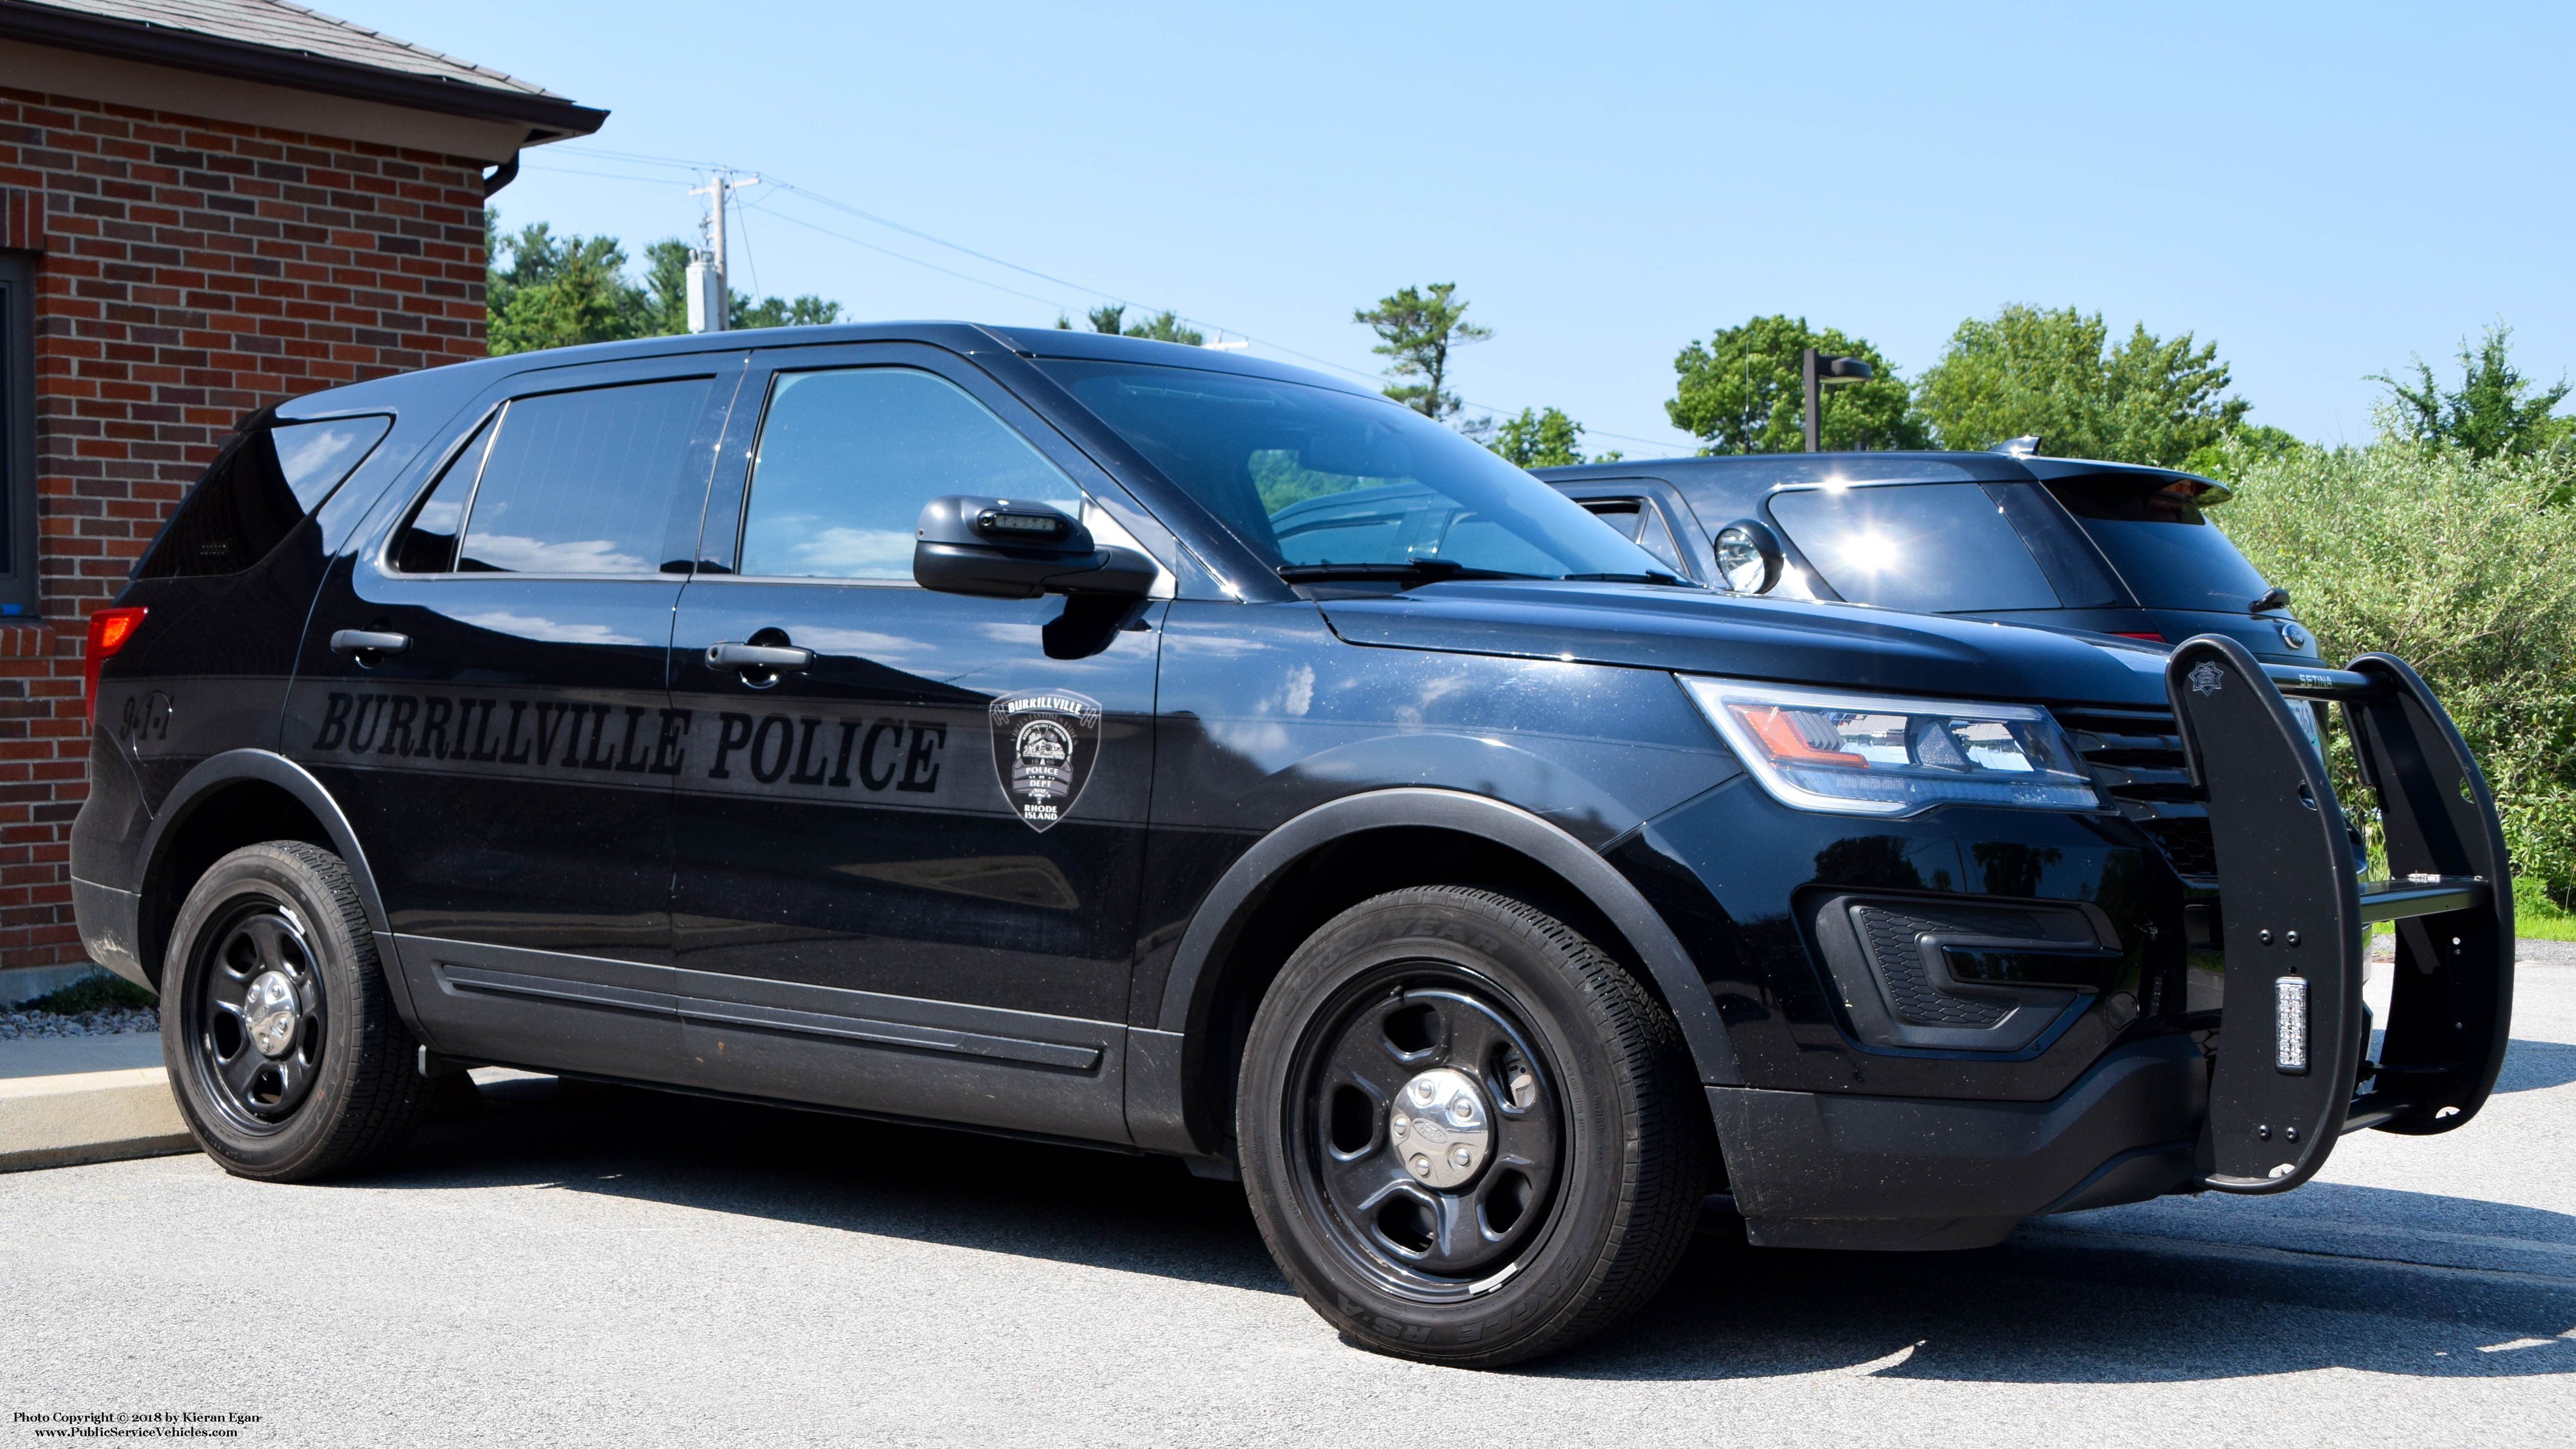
[
  {"x": 1927, "y": 548},
  {"x": 2161, "y": 541},
  {"x": 1315, "y": 476}
]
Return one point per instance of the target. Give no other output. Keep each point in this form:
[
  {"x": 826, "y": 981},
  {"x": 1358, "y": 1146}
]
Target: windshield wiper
[{"x": 1406, "y": 574}]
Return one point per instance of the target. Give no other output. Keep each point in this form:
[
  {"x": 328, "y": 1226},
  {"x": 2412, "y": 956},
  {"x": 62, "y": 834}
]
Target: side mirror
[
  {"x": 1002, "y": 548},
  {"x": 1748, "y": 557}
]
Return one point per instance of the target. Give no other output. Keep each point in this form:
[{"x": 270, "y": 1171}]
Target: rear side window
[
  {"x": 849, "y": 456},
  {"x": 1927, "y": 548},
  {"x": 565, "y": 483},
  {"x": 1641, "y": 522},
  {"x": 2166, "y": 549},
  {"x": 257, "y": 491}
]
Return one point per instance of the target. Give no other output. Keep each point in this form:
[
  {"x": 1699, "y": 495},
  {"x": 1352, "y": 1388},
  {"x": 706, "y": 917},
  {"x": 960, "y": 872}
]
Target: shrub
[
  {"x": 2466, "y": 569},
  {"x": 98, "y": 991}
]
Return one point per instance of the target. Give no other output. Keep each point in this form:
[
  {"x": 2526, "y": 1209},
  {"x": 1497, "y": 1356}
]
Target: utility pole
[{"x": 710, "y": 295}]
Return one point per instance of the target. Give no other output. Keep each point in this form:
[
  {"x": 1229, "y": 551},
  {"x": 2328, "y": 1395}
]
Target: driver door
[{"x": 873, "y": 908}]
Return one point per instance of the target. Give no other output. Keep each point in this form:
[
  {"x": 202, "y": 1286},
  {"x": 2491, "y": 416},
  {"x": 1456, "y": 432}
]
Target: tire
[
  {"x": 1468, "y": 1135},
  {"x": 285, "y": 1052}
]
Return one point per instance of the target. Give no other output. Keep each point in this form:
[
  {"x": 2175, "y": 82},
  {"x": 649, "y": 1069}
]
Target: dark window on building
[
  {"x": 263, "y": 484},
  {"x": 567, "y": 483},
  {"x": 848, "y": 457},
  {"x": 17, "y": 436}
]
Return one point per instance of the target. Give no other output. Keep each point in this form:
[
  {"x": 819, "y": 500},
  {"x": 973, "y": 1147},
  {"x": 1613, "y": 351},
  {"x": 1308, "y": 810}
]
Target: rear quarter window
[
  {"x": 259, "y": 488},
  {"x": 1927, "y": 548}
]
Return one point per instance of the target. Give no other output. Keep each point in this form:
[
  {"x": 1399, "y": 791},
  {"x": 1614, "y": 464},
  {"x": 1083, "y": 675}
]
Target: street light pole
[
  {"x": 1819, "y": 373},
  {"x": 1815, "y": 393}
]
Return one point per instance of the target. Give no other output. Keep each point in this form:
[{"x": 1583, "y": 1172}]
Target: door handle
[
  {"x": 766, "y": 658},
  {"x": 368, "y": 641}
]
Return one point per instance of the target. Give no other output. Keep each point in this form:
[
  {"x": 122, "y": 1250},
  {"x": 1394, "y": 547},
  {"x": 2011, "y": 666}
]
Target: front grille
[
  {"x": 2187, "y": 844},
  {"x": 2135, "y": 758}
]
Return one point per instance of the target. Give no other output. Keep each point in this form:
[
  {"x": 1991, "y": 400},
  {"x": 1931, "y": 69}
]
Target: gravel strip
[{"x": 115, "y": 1021}]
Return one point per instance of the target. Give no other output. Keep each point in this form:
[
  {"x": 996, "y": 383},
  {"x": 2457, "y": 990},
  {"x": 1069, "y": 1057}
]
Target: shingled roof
[{"x": 276, "y": 43}]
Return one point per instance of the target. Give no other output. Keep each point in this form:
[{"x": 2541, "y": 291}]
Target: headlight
[{"x": 1860, "y": 755}]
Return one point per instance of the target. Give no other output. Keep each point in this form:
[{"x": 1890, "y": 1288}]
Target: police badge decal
[{"x": 1043, "y": 748}]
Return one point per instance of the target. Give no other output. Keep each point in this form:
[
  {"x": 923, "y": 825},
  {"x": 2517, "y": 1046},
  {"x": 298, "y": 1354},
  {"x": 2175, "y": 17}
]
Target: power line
[{"x": 889, "y": 223}]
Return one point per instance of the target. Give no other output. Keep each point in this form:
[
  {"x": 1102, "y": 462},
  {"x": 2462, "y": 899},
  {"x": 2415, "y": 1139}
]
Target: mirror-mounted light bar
[{"x": 1041, "y": 526}]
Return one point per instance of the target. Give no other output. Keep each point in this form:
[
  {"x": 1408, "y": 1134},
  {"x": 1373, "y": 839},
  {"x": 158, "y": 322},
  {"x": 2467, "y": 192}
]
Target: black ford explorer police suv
[{"x": 940, "y": 722}]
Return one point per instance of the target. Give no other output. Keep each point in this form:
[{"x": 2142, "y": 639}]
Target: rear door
[
  {"x": 908, "y": 871},
  {"x": 484, "y": 691}
]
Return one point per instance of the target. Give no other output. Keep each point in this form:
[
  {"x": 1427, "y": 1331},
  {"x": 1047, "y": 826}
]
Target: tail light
[{"x": 109, "y": 629}]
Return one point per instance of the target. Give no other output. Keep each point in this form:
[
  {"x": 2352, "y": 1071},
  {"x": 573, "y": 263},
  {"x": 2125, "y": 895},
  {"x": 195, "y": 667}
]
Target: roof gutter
[{"x": 548, "y": 118}]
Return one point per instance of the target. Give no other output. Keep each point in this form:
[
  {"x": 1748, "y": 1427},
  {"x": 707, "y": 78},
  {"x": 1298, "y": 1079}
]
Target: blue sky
[{"x": 2322, "y": 189}]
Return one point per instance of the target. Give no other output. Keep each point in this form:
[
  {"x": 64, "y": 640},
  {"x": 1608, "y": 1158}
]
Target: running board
[{"x": 2295, "y": 923}]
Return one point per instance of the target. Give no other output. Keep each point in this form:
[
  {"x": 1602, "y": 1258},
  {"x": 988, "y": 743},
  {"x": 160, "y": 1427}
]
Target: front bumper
[
  {"x": 1825, "y": 1170},
  {"x": 2254, "y": 1098}
]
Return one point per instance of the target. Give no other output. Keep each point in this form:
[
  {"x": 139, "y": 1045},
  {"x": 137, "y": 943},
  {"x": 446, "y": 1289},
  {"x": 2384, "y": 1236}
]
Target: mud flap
[
  {"x": 2294, "y": 918},
  {"x": 2290, "y": 1039}
]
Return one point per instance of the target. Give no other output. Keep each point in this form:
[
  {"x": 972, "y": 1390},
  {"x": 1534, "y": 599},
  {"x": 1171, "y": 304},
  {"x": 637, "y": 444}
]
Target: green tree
[
  {"x": 2496, "y": 410},
  {"x": 666, "y": 287},
  {"x": 1166, "y": 327},
  {"x": 2243, "y": 448},
  {"x": 2458, "y": 565},
  {"x": 1109, "y": 318},
  {"x": 541, "y": 290},
  {"x": 1743, "y": 391},
  {"x": 558, "y": 291},
  {"x": 1539, "y": 439},
  {"x": 1418, "y": 327},
  {"x": 805, "y": 311},
  {"x": 2051, "y": 372}
]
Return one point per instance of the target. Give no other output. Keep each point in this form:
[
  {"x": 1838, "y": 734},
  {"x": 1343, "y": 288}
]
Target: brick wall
[{"x": 189, "y": 271}]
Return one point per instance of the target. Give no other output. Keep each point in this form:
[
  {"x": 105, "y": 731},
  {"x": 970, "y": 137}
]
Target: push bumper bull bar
[{"x": 2292, "y": 1072}]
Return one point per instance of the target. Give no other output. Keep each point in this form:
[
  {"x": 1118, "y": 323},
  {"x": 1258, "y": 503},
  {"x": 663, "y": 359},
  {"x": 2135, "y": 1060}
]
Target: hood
[{"x": 1833, "y": 646}]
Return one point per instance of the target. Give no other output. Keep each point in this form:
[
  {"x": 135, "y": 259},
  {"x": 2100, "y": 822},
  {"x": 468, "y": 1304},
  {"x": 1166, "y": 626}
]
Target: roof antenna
[{"x": 2025, "y": 446}]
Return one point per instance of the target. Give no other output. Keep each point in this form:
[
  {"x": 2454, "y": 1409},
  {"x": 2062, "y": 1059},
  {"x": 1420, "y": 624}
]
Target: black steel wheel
[
  {"x": 1467, "y": 1133},
  {"x": 284, "y": 1049},
  {"x": 254, "y": 1015},
  {"x": 1426, "y": 1128}
]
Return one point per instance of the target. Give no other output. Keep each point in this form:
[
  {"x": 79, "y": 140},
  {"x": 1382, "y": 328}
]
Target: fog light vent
[{"x": 2290, "y": 1025}]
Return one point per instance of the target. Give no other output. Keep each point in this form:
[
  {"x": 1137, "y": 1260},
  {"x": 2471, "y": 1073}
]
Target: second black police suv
[{"x": 983, "y": 726}]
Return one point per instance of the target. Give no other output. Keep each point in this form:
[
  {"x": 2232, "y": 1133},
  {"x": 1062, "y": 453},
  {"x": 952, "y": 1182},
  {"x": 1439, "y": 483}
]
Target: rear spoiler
[{"x": 2293, "y": 1072}]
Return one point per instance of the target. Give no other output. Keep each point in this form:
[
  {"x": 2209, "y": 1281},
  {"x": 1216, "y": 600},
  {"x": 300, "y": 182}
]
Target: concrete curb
[{"x": 89, "y": 1117}]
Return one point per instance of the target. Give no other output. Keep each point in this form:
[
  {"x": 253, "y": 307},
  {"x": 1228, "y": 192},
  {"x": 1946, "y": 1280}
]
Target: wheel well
[
  {"x": 1329, "y": 880},
  {"x": 217, "y": 823}
]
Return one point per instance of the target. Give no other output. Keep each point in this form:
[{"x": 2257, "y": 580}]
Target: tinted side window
[
  {"x": 428, "y": 542},
  {"x": 1929, "y": 548},
  {"x": 848, "y": 457},
  {"x": 583, "y": 482},
  {"x": 1635, "y": 519},
  {"x": 317, "y": 457},
  {"x": 257, "y": 491},
  {"x": 2164, "y": 546}
]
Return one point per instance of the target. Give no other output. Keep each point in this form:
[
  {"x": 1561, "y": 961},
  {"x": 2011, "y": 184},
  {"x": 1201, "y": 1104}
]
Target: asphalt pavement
[{"x": 590, "y": 1266}]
